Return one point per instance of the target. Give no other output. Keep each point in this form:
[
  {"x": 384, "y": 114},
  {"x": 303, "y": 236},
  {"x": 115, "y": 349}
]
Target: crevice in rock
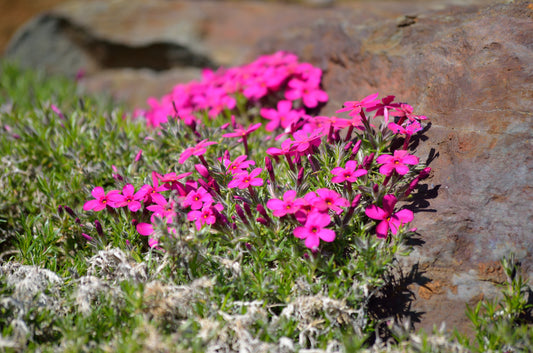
[{"x": 106, "y": 54}]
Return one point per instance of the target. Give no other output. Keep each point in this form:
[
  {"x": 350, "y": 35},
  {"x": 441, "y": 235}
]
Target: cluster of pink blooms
[
  {"x": 217, "y": 90},
  {"x": 316, "y": 212},
  {"x": 312, "y": 211}
]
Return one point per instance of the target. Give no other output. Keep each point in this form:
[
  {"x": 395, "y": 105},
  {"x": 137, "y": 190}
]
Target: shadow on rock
[{"x": 392, "y": 304}]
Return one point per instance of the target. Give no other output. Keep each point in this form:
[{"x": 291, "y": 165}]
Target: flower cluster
[
  {"x": 328, "y": 176},
  {"x": 218, "y": 91}
]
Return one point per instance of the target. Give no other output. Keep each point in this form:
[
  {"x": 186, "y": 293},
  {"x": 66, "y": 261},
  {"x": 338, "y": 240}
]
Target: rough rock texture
[{"x": 468, "y": 68}]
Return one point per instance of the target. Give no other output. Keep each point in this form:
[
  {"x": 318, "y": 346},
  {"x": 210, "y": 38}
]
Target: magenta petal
[
  {"x": 145, "y": 228},
  {"x": 384, "y": 158},
  {"x": 152, "y": 242},
  {"x": 128, "y": 189},
  {"x": 386, "y": 169},
  {"x": 301, "y": 232},
  {"x": 410, "y": 160},
  {"x": 289, "y": 195},
  {"x": 337, "y": 170},
  {"x": 375, "y": 212},
  {"x": 360, "y": 172},
  {"x": 89, "y": 205},
  {"x": 327, "y": 235},
  {"x": 382, "y": 229},
  {"x": 389, "y": 201},
  {"x": 405, "y": 216},
  {"x": 134, "y": 206},
  {"x": 402, "y": 169},
  {"x": 98, "y": 192},
  {"x": 312, "y": 242}
]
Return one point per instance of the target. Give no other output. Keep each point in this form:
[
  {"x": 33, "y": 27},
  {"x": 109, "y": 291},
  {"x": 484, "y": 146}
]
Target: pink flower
[
  {"x": 408, "y": 130},
  {"x": 308, "y": 91},
  {"x": 203, "y": 216},
  {"x": 389, "y": 220},
  {"x": 406, "y": 111},
  {"x": 284, "y": 151},
  {"x": 329, "y": 200},
  {"x": 285, "y": 206},
  {"x": 238, "y": 165},
  {"x": 355, "y": 106},
  {"x": 349, "y": 173},
  {"x": 283, "y": 116},
  {"x": 197, "y": 150},
  {"x": 244, "y": 180},
  {"x": 243, "y": 132},
  {"x": 304, "y": 142},
  {"x": 384, "y": 107},
  {"x": 145, "y": 228},
  {"x": 163, "y": 209},
  {"x": 128, "y": 198},
  {"x": 101, "y": 199},
  {"x": 314, "y": 230},
  {"x": 397, "y": 162},
  {"x": 197, "y": 198},
  {"x": 151, "y": 193}
]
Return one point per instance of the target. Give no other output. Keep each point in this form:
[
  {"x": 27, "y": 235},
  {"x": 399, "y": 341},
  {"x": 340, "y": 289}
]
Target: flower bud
[
  {"x": 202, "y": 170},
  {"x": 70, "y": 211},
  {"x": 99, "y": 229},
  {"x": 87, "y": 236},
  {"x": 424, "y": 173},
  {"x": 355, "y": 148},
  {"x": 262, "y": 221},
  {"x": 241, "y": 214},
  {"x": 270, "y": 169},
  {"x": 367, "y": 161},
  {"x": 300, "y": 176}
]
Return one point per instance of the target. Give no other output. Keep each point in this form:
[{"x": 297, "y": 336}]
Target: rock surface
[{"x": 468, "y": 68}]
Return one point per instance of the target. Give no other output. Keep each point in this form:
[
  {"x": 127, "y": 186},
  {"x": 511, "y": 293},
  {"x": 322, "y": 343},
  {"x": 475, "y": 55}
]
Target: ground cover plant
[{"x": 229, "y": 216}]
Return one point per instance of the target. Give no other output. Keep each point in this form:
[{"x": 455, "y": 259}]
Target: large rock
[
  {"x": 470, "y": 71},
  {"x": 115, "y": 42},
  {"x": 466, "y": 67}
]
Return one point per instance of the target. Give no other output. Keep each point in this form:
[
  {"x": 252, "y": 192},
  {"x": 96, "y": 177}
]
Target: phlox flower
[
  {"x": 314, "y": 230},
  {"x": 243, "y": 132},
  {"x": 306, "y": 205},
  {"x": 286, "y": 206},
  {"x": 204, "y": 216},
  {"x": 408, "y": 130},
  {"x": 197, "y": 198},
  {"x": 354, "y": 107},
  {"x": 304, "y": 142},
  {"x": 283, "y": 116},
  {"x": 245, "y": 179},
  {"x": 389, "y": 220},
  {"x": 348, "y": 173},
  {"x": 397, "y": 162},
  {"x": 285, "y": 149},
  {"x": 101, "y": 199},
  {"x": 238, "y": 165},
  {"x": 308, "y": 91},
  {"x": 127, "y": 198},
  {"x": 406, "y": 111},
  {"x": 383, "y": 108},
  {"x": 163, "y": 209},
  {"x": 197, "y": 150},
  {"x": 151, "y": 193},
  {"x": 329, "y": 200}
]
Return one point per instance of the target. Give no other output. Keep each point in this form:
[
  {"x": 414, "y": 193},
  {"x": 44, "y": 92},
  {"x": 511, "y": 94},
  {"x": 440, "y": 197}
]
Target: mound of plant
[
  {"x": 229, "y": 216},
  {"x": 275, "y": 203}
]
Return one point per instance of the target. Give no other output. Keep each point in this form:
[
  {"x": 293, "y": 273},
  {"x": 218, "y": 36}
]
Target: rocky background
[{"x": 467, "y": 65}]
